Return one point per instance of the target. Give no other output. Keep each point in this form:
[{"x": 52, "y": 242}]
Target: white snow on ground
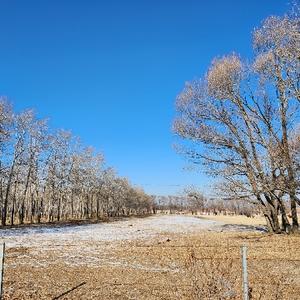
[
  {"x": 93, "y": 245},
  {"x": 130, "y": 229}
]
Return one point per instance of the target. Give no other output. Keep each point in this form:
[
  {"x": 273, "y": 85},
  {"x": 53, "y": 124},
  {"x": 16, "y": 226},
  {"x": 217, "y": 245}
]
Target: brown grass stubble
[{"x": 202, "y": 266}]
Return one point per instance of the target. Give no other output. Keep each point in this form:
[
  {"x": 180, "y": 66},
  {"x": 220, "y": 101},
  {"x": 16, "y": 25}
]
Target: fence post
[
  {"x": 2, "y": 250},
  {"x": 245, "y": 274}
]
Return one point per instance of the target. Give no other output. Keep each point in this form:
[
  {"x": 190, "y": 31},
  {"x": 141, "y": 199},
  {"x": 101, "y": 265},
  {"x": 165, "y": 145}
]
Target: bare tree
[
  {"x": 240, "y": 118},
  {"x": 50, "y": 176},
  {"x": 196, "y": 200}
]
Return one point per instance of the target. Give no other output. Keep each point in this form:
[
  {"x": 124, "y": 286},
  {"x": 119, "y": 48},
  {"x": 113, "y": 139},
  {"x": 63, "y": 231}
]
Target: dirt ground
[{"x": 160, "y": 257}]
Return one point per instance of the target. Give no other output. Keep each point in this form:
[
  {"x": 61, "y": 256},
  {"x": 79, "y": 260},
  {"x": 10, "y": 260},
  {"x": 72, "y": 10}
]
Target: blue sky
[{"x": 110, "y": 71}]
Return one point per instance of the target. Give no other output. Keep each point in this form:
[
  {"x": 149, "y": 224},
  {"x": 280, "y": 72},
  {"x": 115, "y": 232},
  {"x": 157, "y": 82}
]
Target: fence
[
  {"x": 222, "y": 272},
  {"x": 170, "y": 271}
]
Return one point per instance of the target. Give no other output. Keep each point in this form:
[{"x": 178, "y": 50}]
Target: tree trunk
[
  {"x": 5, "y": 204},
  {"x": 295, "y": 224},
  {"x": 13, "y": 205}
]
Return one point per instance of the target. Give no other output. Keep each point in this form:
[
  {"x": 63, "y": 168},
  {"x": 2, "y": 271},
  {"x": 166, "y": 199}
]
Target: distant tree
[{"x": 195, "y": 198}]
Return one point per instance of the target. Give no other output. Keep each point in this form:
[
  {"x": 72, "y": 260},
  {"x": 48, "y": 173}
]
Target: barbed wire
[{"x": 209, "y": 246}]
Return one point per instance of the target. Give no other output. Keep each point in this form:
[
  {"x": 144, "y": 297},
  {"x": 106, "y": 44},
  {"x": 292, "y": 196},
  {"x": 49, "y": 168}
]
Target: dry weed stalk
[{"x": 212, "y": 278}]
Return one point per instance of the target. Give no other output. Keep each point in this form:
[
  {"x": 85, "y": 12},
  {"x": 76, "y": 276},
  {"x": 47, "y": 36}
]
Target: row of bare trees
[
  {"x": 195, "y": 202},
  {"x": 242, "y": 122},
  {"x": 49, "y": 176}
]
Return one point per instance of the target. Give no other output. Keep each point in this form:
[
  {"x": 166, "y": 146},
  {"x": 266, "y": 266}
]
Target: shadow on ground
[{"x": 239, "y": 227}]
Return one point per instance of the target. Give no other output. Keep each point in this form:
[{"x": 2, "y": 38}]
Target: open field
[
  {"x": 238, "y": 220},
  {"x": 160, "y": 257}
]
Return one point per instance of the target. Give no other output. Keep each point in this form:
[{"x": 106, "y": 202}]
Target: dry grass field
[
  {"x": 173, "y": 260},
  {"x": 238, "y": 220}
]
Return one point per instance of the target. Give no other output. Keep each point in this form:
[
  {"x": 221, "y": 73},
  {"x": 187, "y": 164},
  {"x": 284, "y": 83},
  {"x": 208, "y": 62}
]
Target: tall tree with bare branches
[{"x": 241, "y": 116}]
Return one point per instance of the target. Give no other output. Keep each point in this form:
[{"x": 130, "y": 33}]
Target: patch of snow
[
  {"x": 92, "y": 244},
  {"x": 131, "y": 229}
]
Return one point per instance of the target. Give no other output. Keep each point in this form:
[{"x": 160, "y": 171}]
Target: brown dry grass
[
  {"x": 238, "y": 220},
  {"x": 202, "y": 266}
]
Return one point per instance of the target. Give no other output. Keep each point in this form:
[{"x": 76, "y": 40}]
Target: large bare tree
[{"x": 240, "y": 120}]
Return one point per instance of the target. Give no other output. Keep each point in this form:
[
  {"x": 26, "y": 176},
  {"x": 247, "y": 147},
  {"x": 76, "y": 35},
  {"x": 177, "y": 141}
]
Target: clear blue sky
[{"x": 110, "y": 71}]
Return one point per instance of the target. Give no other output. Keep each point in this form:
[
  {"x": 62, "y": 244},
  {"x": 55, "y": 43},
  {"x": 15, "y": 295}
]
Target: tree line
[
  {"x": 241, "y": 121},
  {"x": 193, "y": 201},
  {"x": 48, "y": 176}
]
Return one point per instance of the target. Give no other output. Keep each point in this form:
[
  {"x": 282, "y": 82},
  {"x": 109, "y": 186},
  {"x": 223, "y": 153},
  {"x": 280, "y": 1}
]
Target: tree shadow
[
  {"x": 244, "y": 228},
  {"x": 69, "y": 291}
]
